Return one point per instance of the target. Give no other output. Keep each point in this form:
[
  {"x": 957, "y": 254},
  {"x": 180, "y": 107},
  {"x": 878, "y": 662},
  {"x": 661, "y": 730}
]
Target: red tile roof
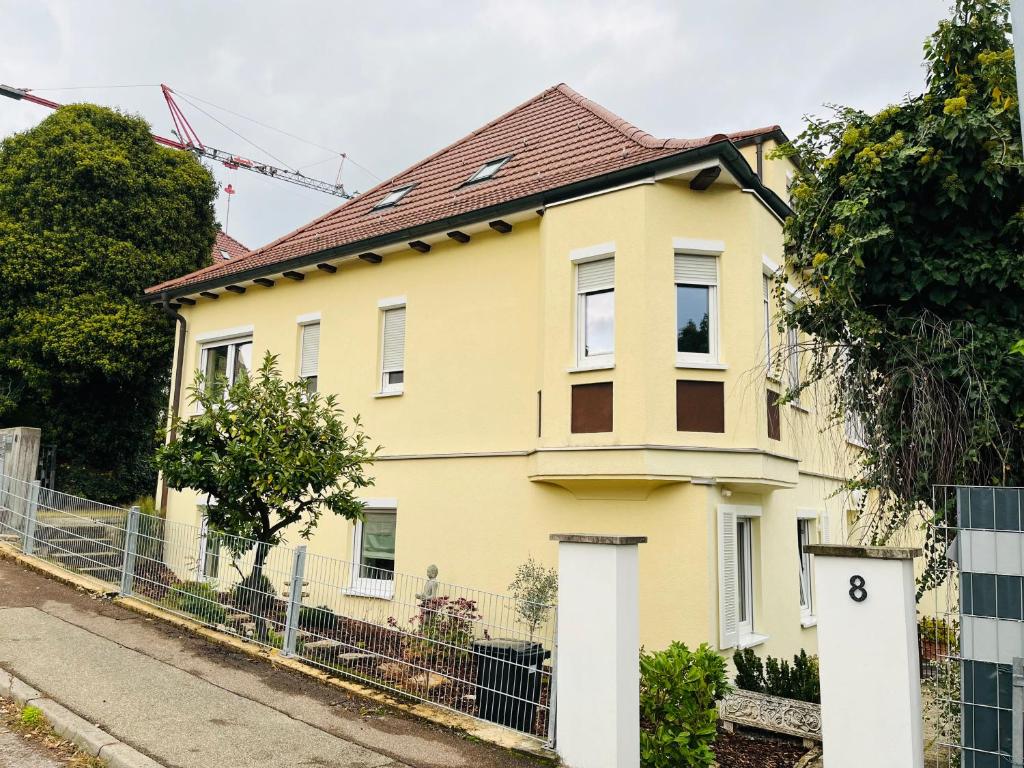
[
  {"x": 554, "y": 139},
  {"x": 226, "y": 244}
]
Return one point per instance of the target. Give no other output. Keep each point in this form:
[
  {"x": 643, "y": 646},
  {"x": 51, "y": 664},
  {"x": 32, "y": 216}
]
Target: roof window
[
  {"x": 392, "y": 197},
  {"x": 488, "y": 169}
]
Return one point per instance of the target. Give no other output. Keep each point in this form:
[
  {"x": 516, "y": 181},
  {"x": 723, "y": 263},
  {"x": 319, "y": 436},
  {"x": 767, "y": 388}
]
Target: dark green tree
[
  {"x": 908, "y": 234},
  {"x": 273, "y": 455},
  {"x": 92, "y": 212}
]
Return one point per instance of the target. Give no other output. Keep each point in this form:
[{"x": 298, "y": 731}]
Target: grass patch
[{"x": 30, "y": 723}]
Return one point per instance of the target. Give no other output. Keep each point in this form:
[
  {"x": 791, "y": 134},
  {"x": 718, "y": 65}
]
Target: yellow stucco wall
[{"x": 489, "y": 325}]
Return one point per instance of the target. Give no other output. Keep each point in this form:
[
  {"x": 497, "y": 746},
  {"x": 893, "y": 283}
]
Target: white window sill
[
  {"x": 773, "y": 378},
  {"x": 378, "y": 593},
  {"x": 800, "y": 407},
  {"x": 856, "y": 444},
  {"x": 701, "y": 366},
  {"x": 389, "y": 394},
  {"x": 808, "y": 621},
  {"x": 751, "y": 640},
  {"x": 591, "y": 367}
]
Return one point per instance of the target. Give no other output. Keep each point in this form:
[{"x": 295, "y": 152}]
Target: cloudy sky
[{"x": 389, "y": 82}]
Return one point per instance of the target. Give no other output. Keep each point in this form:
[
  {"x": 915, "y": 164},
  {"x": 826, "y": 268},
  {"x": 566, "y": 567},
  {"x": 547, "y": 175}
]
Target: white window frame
[
  {"x": 745, "y": 587},
  {"x": 792, "y": 357},
  {"x": 385, "y": 387},
  {"x": 304, "y": 322},
  {"x": 735, "y": 633},
  {"x": 394, "y": 197},
  {"x": 580, "y": 256},
  {"x": 204, "y": 540},
  {"x": 766, "y": 292},
  {"x": 383, "y": 589},
  {"x": 818, "y": 533},
  {"x": 206, "y": 343},
  {"x": 804, "y": 537},
  {"x": 488, "y": 170},
  {"x": 682, "y": 246}
]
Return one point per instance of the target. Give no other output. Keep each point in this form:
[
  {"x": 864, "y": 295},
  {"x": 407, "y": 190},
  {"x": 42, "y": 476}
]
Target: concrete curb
[{"x": 65, "y": 723}]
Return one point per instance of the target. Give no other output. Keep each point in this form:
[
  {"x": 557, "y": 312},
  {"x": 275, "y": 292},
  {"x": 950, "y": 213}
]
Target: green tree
[
  {"x": 272, "y": 455},
  {"x": 92, "y": 212},
  {"x": 908, "y": 235}
]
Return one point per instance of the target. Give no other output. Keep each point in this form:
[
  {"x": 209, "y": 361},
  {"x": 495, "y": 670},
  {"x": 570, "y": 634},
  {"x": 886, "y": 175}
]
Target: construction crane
[{"x": 188, "y": 140}]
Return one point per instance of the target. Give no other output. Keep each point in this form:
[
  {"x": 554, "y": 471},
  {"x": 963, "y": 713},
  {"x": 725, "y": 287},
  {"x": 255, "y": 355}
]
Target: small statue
[{"x": 430, "y": 588}]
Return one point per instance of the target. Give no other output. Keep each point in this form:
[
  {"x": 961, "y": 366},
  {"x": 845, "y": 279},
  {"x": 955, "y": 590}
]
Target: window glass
[
  {"x": 743, "y": 574},
  {"x": 693, "y": 318},
  {"x": 243, "y": 359},
  {"x": 377, "y": 545},
  {"x": 216, "y": 364},
  {"x": 802, "y": 537},
  {"x": 599, "y": 309}
]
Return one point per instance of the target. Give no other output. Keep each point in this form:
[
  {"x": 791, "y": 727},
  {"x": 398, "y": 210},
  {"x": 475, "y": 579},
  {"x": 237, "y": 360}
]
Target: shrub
[
  {"x": 679, "y": 689},
  {"x": 443, "y": 627},
  {"x": 199, "y": 599},
  {"x": 320, "y": 620},
  {"x": 255, "y": 594},
  {"x": 777, "y": 677}
]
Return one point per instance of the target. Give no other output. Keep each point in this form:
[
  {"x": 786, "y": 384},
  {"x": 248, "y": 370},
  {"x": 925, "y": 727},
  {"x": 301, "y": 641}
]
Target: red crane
[{"x": 189, "y": 141}]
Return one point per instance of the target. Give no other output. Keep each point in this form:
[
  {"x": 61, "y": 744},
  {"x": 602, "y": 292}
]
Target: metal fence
[{"x": 486, "y": 655}]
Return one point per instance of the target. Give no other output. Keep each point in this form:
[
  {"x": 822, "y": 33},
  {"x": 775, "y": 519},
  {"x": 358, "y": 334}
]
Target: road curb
[{"x": 65, "y": 723}]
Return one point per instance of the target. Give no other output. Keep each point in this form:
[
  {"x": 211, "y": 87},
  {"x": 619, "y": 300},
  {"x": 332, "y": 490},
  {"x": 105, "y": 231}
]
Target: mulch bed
[{"x": 749, "y": 750}]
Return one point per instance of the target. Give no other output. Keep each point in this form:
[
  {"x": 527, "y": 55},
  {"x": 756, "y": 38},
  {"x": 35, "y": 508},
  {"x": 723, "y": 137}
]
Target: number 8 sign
[{"x": 857, "y": 592}]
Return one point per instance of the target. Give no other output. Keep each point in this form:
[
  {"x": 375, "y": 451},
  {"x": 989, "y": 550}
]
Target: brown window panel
[
  {"x": 700, "y": 406},
  {"x": 774, "y": 426},
  {"x": 592, "y": 407}
]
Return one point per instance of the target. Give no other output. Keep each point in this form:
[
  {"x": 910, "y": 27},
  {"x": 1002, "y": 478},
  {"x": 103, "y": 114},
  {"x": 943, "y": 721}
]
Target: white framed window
[
  {"x": 792, "y": 357},
  {"x": 208, "y": 558},
  {"x": 595, "y": 312},
  {"x": 309, "y": 354},
  {"x": 803, "y": 538},
  {"x": 223, "y": 360},
  {"x": 696, "y": 281},
  {"x": 766, "y": 285},
  {"x": 373, "y": 551},
  {"x": 737, "y": 577},
  {"x": 392, "y": 349}
]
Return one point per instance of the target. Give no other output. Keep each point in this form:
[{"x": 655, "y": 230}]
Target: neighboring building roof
[
  {"x": 553, "y": 141},
  {"x": 226, "y": 248}
]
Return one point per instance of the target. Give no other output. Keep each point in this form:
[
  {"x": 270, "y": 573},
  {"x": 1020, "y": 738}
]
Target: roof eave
[{"x": 725, "y": 150}]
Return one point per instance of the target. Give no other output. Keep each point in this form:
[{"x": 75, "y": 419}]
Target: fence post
[
  {"x": 31, "y": 508},
  {"x": 291, "y": 621},
  {"x": 867, "y": 644},
  {"x": 598, "y": 672},
  {"x": 131, "y": 530}
]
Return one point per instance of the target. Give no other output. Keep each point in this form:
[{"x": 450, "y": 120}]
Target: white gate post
[
  {"x": 597, "y": 721},
  {"x": 868, "y": 656}
]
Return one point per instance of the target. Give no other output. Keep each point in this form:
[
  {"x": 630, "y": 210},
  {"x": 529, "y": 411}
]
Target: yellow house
[{"x": 558, "y": 323}]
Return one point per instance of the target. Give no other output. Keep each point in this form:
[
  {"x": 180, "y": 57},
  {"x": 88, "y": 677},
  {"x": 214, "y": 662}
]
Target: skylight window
[
  {"x": 488, "y": 170},
  {"x": 392, "y": 197}
]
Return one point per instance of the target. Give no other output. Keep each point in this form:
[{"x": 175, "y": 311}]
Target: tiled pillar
[
  {"x": 868, "y": 656},
  {"x": 598, "y": 671},
  {"x": 990, "y": 552}
]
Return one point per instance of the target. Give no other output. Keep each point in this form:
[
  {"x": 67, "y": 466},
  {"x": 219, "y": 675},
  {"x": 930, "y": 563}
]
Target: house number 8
[{"x": 857, "y": 592}]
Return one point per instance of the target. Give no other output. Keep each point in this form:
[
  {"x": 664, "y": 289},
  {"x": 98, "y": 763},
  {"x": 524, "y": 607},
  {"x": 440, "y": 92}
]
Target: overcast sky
[{"x": 390, "y": 82}]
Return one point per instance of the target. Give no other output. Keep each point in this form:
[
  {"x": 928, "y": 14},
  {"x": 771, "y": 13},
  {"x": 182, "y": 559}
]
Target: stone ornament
[
  {"x": 772, "y": 713},
  {"x": 430, "y": 588}
]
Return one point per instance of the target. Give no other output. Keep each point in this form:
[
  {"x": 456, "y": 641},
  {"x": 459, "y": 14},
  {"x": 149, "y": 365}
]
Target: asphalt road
[
  {"x": 188, "y": 703},
  {"x": 16, "y": 752}
]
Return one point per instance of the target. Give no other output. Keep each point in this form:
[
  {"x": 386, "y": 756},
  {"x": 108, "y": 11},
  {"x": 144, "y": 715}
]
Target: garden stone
[{"x": 430, "y": 680}]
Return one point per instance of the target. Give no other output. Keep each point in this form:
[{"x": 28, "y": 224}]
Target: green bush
[
  {"x": 777, "y": 677},
  {"x": 679, "y": 689},
  {"x": 198, "y": 599},
  {"x": 320, "y": 620}
]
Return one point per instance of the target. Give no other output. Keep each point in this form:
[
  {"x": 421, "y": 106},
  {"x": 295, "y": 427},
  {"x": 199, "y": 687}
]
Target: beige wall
[{"x": 492, "y": 322}]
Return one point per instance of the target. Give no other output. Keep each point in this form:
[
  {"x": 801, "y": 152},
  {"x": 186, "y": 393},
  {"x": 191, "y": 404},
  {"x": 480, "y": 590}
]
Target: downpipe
[{"x": 179, "y": 360}]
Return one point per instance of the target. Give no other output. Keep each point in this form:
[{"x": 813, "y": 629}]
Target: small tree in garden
[
  {"x": 535, "y": 589},
  {"x": 272, "y": 455}
]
